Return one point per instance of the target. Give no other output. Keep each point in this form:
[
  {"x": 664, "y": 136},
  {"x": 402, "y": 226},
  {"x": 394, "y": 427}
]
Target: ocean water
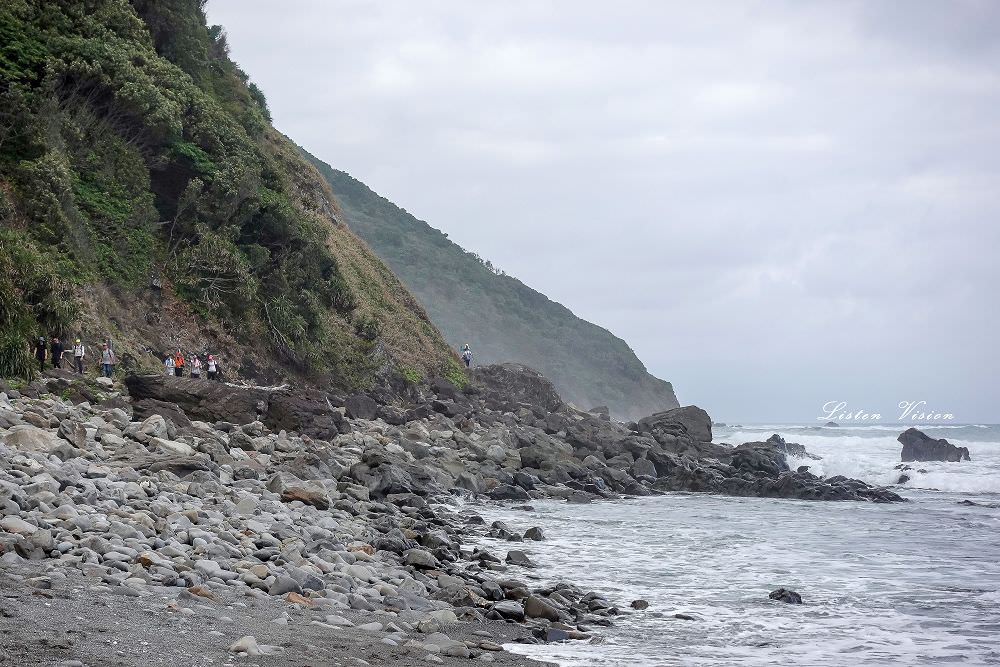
[{"x": 914, "y": 583}]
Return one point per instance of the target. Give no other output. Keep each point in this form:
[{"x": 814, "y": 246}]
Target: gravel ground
[{"x": 56, "y": 616}]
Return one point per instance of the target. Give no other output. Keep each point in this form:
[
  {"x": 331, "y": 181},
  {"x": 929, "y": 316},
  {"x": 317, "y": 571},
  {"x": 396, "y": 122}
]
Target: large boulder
[
  {"x": 789, "y": 448},
  {"x": 537, "y": 607},
  {"x": 291, "y": 488},
  {"x": 360, "y": 406},
  {"x": 509, "y": 492},
  {"x": 759, "y": 458},
  {"x": 148, "y": 407},
  {"x": 201, "y": 400},
  {"x": 28, "y": 438},
  {"x": 695, "y": 422},
  {"x": 918, "y": 446},
  {"x": 515, "y": 383},
  {"x": 306, "y": 411}
]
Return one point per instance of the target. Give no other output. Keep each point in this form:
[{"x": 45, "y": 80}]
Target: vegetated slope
[
  {"x": 145, "y": 197},
  {"x": 500, "y": 317}
]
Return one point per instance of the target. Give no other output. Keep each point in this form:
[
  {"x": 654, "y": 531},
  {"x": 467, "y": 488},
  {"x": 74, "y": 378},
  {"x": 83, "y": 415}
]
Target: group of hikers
[
  {"x": 55, "y": 351},
  {"x": 175, "y": 364}
]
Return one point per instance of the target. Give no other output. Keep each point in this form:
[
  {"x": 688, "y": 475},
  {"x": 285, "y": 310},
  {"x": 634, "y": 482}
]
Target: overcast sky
[{"x": 776, "y": 204}]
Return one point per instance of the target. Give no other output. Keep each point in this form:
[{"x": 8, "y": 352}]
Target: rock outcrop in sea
[{"x": 918, "y": 446}]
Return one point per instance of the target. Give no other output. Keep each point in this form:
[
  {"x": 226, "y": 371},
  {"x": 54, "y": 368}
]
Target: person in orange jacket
[{"x": 179, "y": 364}]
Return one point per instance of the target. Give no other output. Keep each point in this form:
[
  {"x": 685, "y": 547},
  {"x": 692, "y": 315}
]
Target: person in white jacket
[{"x": 79, "y": 352}]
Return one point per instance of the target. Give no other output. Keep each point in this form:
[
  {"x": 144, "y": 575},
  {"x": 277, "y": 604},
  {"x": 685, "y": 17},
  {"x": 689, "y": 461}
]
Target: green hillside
[
  {"x": 144, "y": 196},
  {"x": 500, "y": 317}
]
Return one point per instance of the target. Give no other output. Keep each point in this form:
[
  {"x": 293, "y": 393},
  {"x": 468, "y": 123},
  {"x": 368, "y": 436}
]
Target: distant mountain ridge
[{"x": 500, "y": 317}]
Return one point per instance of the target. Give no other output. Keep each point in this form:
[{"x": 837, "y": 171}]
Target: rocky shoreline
[{"x": 315, "y": 523}]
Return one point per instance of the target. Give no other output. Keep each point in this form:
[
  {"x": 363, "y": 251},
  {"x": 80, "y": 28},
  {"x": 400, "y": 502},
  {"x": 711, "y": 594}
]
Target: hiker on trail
[
  {"x": 196, "y": 368},
  {"x": 213, "y": 368},
  {"x": 467, "y": 355},
  {"x": 57, "y": 350},
  {"x": 179, "y": 364},
  {"x": 108, "y": 360},
  {"x": 41, "y": 353},
  {"x": 168, "y": 363},
  {"x": 79, "y": 351}
]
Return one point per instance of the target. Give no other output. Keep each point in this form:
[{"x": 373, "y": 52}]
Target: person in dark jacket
[
  {"x": 41, "y": 353},
  {"x": 56, "y": 351}
]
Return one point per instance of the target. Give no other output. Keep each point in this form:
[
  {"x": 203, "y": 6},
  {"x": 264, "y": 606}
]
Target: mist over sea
[{"x": 914, "y": 583}]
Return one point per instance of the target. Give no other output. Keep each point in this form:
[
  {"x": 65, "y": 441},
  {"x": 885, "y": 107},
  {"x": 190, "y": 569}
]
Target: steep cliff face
[
  {"x": 500, "y": 317},
  {"x": 145, "y": 197}
]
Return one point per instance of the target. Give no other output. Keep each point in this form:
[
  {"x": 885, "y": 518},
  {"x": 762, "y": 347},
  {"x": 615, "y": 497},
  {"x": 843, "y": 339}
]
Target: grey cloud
[{"x": 776, "y": 203}]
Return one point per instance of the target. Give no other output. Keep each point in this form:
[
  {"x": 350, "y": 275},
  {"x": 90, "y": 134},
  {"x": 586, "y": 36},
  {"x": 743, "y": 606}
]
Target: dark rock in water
[
  {"x": 917, "y": 446},
  {"x": 832, "y": 424},
  {"x": 903, "y": 479},
  {"x": 685, "y": 617},
  {"x": 502, "y": 531},
  {"x": 802, "y": 469},
  {"x": 360, "y": 406},
  {"x": 515, "y": 557},
  {"x": 514, "y": 383},
  {"x": 778, "y": 444},
  {"x": 639, "y": 604},
  {"x": 785, "y": 595},
  {"x": 509, "y": 492},
  {"x": 790, "y": 448},
  {"x": 579, "y": 497},
  {"x": 556, "y": 635},
  {"x": 694, "y": 421},
  {"x": 761, "y": 458},
  {"x": 973, "y": 503},
  {"x": 535, "y": 534}
]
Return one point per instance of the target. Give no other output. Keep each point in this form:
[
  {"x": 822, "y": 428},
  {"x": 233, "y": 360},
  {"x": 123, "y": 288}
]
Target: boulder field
[{"x": 341, "y": 505}]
